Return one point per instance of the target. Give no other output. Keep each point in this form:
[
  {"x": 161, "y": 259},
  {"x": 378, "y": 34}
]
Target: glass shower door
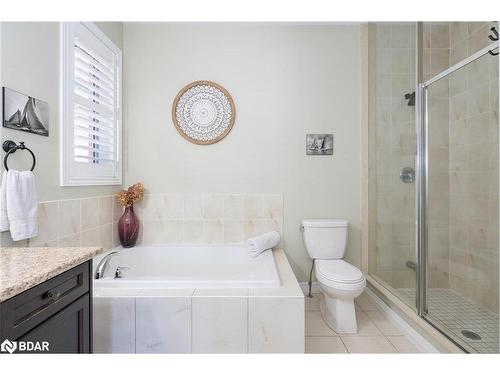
[
  {"x": 461, "y": 119},
  {"x": 392, "y": 145}
]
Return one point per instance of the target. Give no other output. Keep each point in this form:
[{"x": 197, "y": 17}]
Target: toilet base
[{"x": 339, "y": 314}]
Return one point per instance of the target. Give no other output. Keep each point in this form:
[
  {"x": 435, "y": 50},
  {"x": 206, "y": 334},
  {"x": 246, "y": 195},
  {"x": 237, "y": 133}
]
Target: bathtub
[
  {"x": 198, "y": 299},
  {"x": 184, "y": 266}
]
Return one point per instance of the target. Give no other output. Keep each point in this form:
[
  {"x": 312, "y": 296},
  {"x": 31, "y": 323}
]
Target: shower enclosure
[{"x": 434, "y": 174}]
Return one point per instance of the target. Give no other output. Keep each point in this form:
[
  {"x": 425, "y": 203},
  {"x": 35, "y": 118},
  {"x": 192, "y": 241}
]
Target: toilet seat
[{"x": 337, "y": 273}]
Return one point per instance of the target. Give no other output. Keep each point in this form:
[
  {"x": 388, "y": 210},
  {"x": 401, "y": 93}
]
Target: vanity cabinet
[{"x": 57, "y": 311}]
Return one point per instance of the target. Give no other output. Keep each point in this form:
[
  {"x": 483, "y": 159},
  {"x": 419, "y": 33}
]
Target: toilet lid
[{"x": 339, "y": 271}]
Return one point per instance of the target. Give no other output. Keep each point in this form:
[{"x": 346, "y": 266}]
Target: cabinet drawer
[{"x": 25, "y": 311}]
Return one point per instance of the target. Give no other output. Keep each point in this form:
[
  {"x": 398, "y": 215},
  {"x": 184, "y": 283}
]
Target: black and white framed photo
[
  {"x": 319, "y": 144},
  {"x": 25, "y": 113}
]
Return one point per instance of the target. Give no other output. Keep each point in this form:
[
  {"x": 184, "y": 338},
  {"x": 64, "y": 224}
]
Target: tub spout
[{"x": 103, "y": 265}]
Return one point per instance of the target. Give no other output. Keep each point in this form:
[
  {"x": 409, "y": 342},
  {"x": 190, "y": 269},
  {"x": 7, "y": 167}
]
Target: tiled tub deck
[{"x": 254, "y": 320}]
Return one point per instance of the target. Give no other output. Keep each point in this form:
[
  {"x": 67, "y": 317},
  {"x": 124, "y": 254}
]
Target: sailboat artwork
[
  {"x": 319, "y": 144},
  {"x": 25, "y": 113}
]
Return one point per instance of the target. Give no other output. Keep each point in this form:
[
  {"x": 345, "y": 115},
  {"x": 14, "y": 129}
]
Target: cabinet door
[{"x": 68, "y": 331}]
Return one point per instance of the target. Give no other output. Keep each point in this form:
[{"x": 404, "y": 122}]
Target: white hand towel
[
  {"x": 22, "y": 204},
  {"x": 259, "y": 244},
  {"x": 4, "y": 219}
]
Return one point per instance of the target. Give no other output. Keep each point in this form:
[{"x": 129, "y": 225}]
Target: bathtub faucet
[{"x": 103, "y": 265}]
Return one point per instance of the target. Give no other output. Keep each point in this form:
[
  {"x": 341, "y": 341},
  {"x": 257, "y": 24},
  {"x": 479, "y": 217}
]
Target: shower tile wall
[
  {"x": 474, "y": 164},
  {"x": 393, "y": 51},
  {"x": 436, "y": 54},
  {"x": 463, "y": 148},
  {"x": 467, "y": 38}
]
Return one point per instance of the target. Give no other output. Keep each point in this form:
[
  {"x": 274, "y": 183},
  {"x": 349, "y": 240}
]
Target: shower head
[{"x": 411, "y": 99}]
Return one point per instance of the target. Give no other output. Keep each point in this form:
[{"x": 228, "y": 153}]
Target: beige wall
[
  {"x": 30, "y": 63},
  {"x": 286, "y": 81}
]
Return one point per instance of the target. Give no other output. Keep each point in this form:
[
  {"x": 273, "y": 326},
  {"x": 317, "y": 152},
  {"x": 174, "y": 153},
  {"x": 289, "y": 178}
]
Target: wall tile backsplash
[
  {"x": 207, "y": 218},
  {"x": 77, "y": 222},
  {"x": 165, "y": 218}
]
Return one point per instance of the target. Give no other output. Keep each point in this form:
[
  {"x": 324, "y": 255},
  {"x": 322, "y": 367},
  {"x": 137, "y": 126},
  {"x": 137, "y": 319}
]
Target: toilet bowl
[{"x": 340, "y": 282}]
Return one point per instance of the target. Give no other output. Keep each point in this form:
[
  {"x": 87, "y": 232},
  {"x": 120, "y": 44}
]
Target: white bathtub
[
  {"x": 188, "y": 266},
  {"x": 198, "y": 299}
]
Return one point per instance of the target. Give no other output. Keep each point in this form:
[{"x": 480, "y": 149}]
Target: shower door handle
[{"x": 407, "y": 175}]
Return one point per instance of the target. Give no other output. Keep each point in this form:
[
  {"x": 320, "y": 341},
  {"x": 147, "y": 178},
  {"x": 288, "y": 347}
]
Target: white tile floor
[{"x": 375, "y": 334}]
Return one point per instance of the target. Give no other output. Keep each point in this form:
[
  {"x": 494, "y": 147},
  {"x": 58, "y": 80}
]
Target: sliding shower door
[{"x": 460, "y": 202}]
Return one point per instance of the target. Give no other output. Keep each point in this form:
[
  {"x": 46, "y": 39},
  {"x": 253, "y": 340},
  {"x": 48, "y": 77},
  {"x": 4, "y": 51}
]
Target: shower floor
[{"x": 457, "y": 313}]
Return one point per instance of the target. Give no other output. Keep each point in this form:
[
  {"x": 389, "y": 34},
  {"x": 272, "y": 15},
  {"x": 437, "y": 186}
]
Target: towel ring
[{"x": 10, "y": 147}]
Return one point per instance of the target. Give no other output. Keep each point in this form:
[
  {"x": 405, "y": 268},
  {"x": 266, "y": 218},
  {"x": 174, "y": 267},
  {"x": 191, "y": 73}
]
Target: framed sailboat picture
[
  {"x": 25, "y": 113},
  {"x": 319, "y": 144}
]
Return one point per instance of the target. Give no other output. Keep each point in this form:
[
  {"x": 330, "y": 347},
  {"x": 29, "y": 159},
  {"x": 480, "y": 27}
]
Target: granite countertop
[{"x": 22, "y": 268}]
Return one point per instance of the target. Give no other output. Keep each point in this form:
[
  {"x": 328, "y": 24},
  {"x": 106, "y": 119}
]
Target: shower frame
[{"x": 422, "y": 179}]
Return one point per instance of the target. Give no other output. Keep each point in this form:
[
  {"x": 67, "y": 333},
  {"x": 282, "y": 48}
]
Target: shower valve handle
[{"x": 407, "y": 175}]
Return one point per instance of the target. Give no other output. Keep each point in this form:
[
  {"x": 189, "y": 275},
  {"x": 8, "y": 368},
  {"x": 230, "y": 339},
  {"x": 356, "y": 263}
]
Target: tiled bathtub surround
[
  {"x": 165, "y": 218},
  {"x": 75, "y": 222},
  {"x": 238, "y": 320},
  {"x": 207, "y": 218}
]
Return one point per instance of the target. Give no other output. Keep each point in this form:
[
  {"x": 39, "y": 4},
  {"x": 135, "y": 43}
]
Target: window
[{"x": 91, "y": 107}]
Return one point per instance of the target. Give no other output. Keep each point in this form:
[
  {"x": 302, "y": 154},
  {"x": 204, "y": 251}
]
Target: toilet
[{"x": 340, "y": 282}]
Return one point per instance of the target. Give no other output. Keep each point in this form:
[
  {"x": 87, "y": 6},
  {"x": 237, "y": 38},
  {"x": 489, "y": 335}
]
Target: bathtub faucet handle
[{"x": 118, "y": 272}]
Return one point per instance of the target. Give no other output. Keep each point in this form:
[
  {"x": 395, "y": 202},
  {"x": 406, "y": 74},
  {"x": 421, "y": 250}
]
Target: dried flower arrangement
[{"x": 133, "y": 194}]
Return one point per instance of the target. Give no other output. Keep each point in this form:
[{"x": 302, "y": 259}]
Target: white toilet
[{"x": 340, "y": 281}]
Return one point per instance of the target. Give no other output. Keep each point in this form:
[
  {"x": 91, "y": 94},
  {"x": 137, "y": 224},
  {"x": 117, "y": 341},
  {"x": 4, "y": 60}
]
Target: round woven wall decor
[{"x": 203, "y": 112}]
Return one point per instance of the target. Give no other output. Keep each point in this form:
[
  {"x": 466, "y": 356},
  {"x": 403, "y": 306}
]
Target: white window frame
[{"x": 68, "y": 175}]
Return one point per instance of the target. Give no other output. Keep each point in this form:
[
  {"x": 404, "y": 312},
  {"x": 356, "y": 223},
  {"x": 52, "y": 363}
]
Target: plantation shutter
[{"x": 94, "y": 112}]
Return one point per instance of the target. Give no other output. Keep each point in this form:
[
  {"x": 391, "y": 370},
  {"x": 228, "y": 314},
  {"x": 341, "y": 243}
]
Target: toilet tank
[{"x": 325, "y": 238}]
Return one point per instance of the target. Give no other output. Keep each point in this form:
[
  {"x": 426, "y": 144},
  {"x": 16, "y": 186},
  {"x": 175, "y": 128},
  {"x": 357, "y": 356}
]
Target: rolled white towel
[{"x": 257, "y": 245}]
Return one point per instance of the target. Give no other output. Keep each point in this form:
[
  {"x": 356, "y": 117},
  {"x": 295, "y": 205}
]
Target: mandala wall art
[{"x": 203, "y": 112}]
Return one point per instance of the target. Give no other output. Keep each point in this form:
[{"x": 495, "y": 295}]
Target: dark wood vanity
[{"x": 57, "y": 311}]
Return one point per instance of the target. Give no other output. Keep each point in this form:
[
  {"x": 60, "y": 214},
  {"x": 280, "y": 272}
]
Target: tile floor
[
  {"x": 456, "y": 313},
  {"x": 375, "y": 334}
]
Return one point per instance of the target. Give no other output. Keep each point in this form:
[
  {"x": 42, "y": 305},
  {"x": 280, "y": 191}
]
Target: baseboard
[
  {"x": 305, "y": 287},
  {"x": 417, "y": 339}
]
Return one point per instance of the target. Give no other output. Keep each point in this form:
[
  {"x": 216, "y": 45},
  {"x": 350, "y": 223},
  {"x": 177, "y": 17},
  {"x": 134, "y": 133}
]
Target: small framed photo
[
  {"x": 319, "y": 144},
  {"x": 25, "y": 113}
]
